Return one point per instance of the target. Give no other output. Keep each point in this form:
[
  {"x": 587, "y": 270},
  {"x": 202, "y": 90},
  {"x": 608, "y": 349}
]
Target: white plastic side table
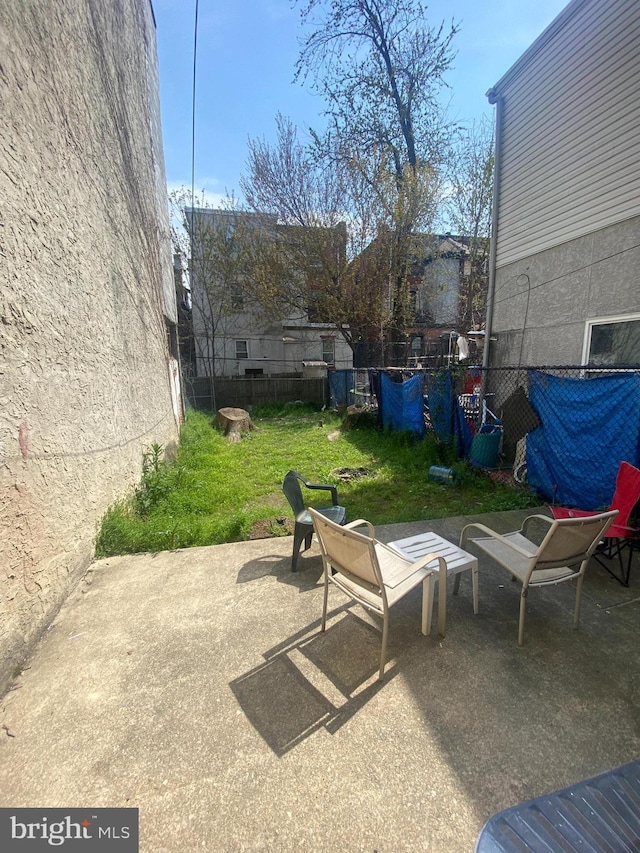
[{"x": 415, "y": 547}]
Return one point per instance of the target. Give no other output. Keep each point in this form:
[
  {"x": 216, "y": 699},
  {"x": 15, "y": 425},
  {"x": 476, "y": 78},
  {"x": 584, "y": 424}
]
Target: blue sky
[{"x": 245, "y": 63}]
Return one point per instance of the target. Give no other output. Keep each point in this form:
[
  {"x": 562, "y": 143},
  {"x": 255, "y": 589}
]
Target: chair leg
[
  {"x": 611, "y": 550},
  {"x": 474, "y": 583},
  {"x": 428, "y": 585},
  {"x": 442, "y": 596},
  {"x": 576, "y": 615},
  {"x": 298, "y": 537},
  {"x": 326, "y": 597},
  {"x": 383, "y": 650},
  {"x": 523, "y": 607}
]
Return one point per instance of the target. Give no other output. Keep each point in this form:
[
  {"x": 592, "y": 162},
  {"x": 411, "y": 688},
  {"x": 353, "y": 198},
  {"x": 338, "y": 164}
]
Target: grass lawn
[{"x": 218, "y": 492}]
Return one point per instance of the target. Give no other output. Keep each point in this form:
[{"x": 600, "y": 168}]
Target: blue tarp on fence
[
  {"x": 446, "y": 414},
  {"x": 563, "y": 462},
  {"x": 341, "y": 383},
  {"x": 402, "y": 405}
]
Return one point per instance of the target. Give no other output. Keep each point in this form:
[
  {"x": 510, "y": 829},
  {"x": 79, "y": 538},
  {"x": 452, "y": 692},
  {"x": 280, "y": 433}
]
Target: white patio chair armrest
[
  {"x": 478, "y": 526},
  {"x": 493, "y": 535},
  {"x": 536, "y": 517},
  {"x": 361, "y": 522},
  {"x": 423, "y": 562}
]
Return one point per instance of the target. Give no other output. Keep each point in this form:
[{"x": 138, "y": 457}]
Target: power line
[{"x": 193, "y": 115}]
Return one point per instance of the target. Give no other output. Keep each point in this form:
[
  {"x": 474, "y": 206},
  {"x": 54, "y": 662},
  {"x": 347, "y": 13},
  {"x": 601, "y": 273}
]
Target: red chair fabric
[{"x": 620, "y": 535}]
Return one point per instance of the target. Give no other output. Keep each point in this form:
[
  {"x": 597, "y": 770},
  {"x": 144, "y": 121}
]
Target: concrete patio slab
[{"x": 195, "y": 686}]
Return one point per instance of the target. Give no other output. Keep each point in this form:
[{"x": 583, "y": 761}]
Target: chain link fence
[{"x": 563, "y": 430}]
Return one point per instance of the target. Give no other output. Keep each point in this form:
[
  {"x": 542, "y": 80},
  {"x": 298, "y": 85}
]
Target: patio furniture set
[
  {"x": 378, "y": 575},
  {"x": 596, "y": 814}
]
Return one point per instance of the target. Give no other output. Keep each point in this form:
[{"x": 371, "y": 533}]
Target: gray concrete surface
[{"x": 195, "y": 686}]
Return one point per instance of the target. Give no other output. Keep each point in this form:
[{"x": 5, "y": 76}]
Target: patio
[{"x": 194, "y": 685}]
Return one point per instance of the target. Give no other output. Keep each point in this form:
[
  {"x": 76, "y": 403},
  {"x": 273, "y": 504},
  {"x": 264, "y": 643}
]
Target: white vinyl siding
[{"x": 570, "y": 143}]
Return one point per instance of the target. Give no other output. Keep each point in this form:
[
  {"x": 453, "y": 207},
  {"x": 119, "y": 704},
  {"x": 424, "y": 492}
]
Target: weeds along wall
[{"x": 87, "y": 290}]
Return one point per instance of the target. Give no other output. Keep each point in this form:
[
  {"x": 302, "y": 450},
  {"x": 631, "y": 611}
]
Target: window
[
  {"x": 612, "y": 342},
  {"x": 329, "y": 350},
  {"x": 242, "y": 350}
]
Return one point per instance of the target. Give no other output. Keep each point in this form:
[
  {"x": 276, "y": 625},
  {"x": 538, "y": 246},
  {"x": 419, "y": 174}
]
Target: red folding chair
[{"x": 620, "y": 535}]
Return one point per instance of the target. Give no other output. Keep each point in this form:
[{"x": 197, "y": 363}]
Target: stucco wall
[
  {"x": 83, "y": 259},
  {"x": 552, "y": 294}
]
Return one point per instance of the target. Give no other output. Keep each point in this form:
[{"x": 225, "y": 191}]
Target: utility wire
[
  {"x": 544, "y": 283},
  {"x": 193, "y": 119},
  {"x": 193, "y": 160}
]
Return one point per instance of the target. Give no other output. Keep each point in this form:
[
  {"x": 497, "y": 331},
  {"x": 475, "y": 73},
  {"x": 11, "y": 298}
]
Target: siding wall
[
  {"x": 543, "y": 302},
  {"x": 570, "y": 134},
  {"x": 83, "y": 291}
]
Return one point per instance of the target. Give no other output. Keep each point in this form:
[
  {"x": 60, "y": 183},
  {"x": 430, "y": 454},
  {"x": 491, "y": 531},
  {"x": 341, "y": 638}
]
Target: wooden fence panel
[{"x": 243, "y": 392}]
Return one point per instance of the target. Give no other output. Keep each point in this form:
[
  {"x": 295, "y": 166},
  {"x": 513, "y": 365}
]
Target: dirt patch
[
  {"x": 352, "y": 473},
  {"x": 269, "y": 528},
  {"x": 503, "y": 477}
]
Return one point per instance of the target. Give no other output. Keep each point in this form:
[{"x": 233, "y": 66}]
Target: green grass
[{"x": 218, "y": 492}]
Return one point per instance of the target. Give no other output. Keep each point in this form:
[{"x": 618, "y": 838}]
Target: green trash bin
[{"x": 485, "y": 447}]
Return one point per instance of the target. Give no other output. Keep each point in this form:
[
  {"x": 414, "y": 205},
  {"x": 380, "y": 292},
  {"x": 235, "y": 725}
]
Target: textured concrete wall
[
  {"x": 84, "y": 383},
  {"x": 552, "y": 294}
]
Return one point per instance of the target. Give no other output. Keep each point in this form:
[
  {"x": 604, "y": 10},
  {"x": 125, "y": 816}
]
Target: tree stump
[{"x": 234, "y": 422}]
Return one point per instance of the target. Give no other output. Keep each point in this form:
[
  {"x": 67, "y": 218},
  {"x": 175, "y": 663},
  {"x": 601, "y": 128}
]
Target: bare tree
[
  {"x": 468, "y": 211},
  {"x": 302, "y": 256},
  {"x": 379, "y": 68}
]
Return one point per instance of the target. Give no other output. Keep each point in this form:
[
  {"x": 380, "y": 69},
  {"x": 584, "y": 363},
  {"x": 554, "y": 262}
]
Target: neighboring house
[
  {"x": 564, "y": 277},
  {"x": 186, "y": 344},
  {"x": 87, "y": 300},
  {"x": 440, "y": 283},
  {"x": 442, "y": 306},
  {"x": 233, "y": 333}
]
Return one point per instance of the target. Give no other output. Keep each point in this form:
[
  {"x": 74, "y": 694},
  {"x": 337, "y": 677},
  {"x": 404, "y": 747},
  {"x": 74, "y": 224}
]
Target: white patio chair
[
  {"x": 373, "y": 574},
  {"x": 562, "y": 555}
]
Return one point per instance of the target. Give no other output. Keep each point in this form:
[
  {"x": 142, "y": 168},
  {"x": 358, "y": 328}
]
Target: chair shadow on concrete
[
  {"x": 308, "y": 575},
  {"x": 313, "y": 680}
]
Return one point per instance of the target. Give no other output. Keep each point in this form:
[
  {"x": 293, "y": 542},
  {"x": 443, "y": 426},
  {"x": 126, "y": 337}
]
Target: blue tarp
[
  {"x": 440, "y": 402},
  {"x": 588, "y": 426},
  {"x": 446, "y": 413},
  {"x": 401, "y": 404},
  {"x": 341, "y": 383}
]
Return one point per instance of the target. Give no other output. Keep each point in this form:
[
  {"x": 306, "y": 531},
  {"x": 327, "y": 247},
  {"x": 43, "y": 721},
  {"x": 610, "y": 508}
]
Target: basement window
[{"x": 612, "y": 342}]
